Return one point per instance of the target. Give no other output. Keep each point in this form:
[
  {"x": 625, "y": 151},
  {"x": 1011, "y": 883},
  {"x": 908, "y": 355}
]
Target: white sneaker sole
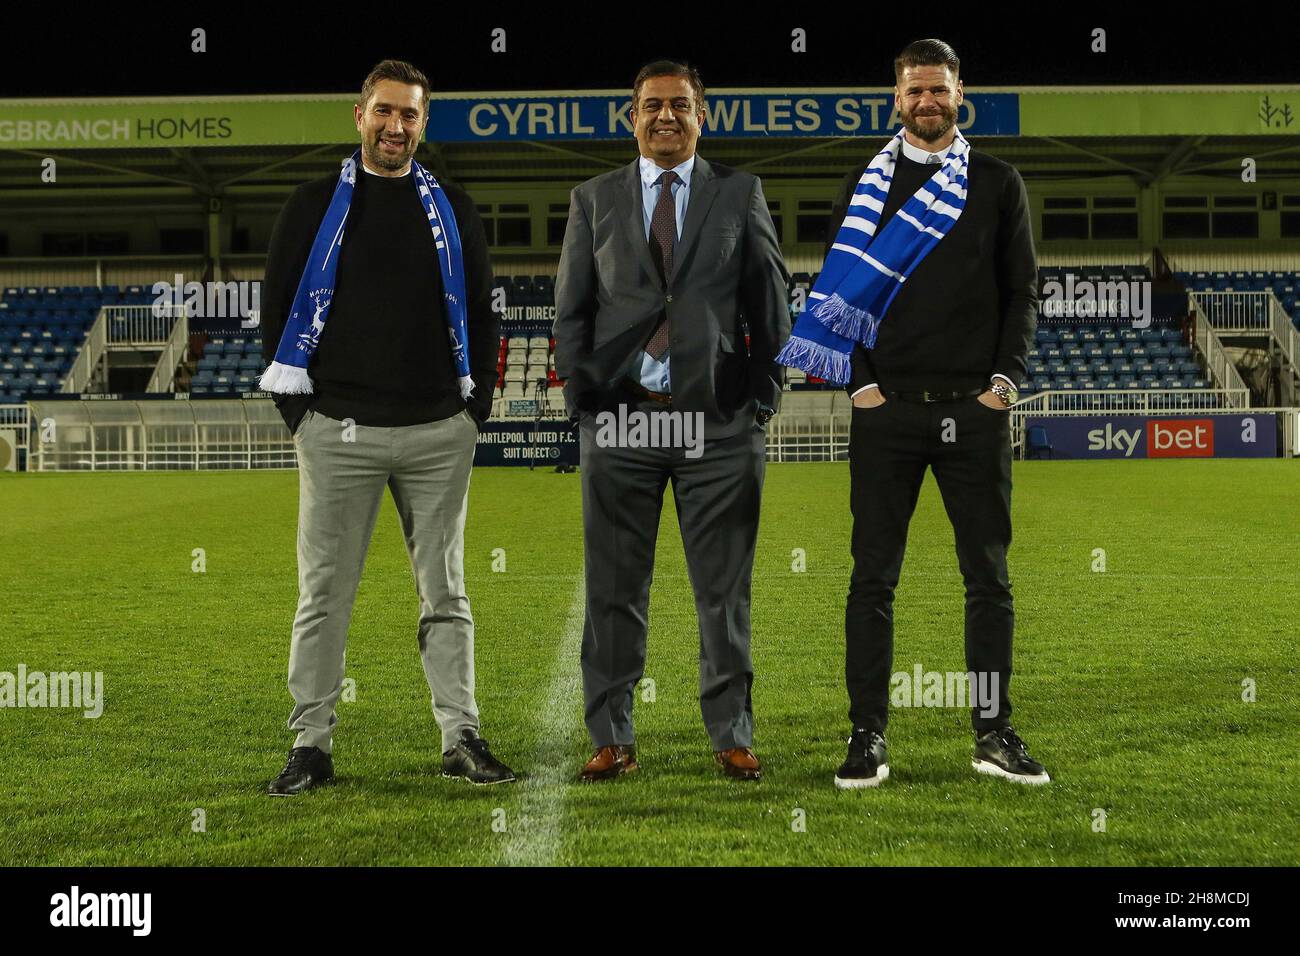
[
  {"x": 477, "y": 783},
  {"x": 993, "y": 770},
  {"x": 861, "y": 783}
]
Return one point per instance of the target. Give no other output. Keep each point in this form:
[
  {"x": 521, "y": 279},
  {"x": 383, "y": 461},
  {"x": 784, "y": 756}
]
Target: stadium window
[
  {"x": 107, "y": 244},
  {"x": 1059, "y": 224},
  {"x": 1065, "y": 225},
  {"x": 1291, "y": 225},
  {"x": 1114, "y": 202},
  {"x": 813, "y": 220},
  {"x": 514, "y": 232},
  {"x": 1186, "y": 225},
  {"x": 180, "y": 241},
  {"x": 1115, "y": 225},
  {"x": 1235, "y": 225},
  {"x": 4, "y": 244},
  {"x": 512, "y": 225},
  {"x": 63, "y": 244},
  {"x": 774, "y": 210},
  {"x": 556, "y": 221},
  {"x": 240, "y": 240},
  {"x": 489, "y": 224}
]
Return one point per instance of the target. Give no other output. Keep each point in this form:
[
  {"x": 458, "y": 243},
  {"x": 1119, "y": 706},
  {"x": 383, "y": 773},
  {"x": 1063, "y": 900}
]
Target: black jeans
[{"x": 967, "y": 446}]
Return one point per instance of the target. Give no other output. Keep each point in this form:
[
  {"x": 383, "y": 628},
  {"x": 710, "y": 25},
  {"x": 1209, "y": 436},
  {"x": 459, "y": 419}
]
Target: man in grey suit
[{"x": 664, "y": 262}]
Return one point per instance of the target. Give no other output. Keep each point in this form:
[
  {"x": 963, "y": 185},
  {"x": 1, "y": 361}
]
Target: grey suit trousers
[
  {"x": 340, "y": 488},
  {"x": 717, "y": 497}
]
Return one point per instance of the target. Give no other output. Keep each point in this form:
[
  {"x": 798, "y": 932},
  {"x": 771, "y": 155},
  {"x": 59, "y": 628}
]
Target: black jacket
[
  {"x": 970, "y": 307},
  {"x": 291, "y": 241}
]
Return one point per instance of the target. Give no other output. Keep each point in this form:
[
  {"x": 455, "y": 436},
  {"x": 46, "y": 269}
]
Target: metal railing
[
  {"x": 88, "y": 358},
  {"x": 1236, "y": 311},
  {"x": 1288, "y": 339},
  {"x": 160, "y": 435},
  {"x": 140, "y": 325},
  {"x": 1139, "y": 401},
  {"x": 1217, "y": 360},
  {"x": 164, "y": 374},
  {"x": 242, "y": 434},
  {"x": 15, "y": 421}
]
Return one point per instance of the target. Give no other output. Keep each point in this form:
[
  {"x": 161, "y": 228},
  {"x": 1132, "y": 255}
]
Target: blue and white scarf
[
  {"x": 311, "y": 304},
  {"x": 864, "y": 271}
]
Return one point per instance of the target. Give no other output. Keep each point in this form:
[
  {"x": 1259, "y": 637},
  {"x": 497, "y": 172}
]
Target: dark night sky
[{"x": 588, "y": 47}]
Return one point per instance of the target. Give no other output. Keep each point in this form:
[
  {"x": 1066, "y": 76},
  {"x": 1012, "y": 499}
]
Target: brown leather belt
[{"x": 639, "y": 390}]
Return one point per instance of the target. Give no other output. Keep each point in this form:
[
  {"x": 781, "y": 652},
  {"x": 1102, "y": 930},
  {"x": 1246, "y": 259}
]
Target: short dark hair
[
  {"x": 398, "y": 70},
  {"x": 927, "y": 53},
  {"x": 669, "y": 68}
]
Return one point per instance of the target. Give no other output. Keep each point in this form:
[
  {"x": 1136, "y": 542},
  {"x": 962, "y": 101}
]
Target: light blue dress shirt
[{"x": 654, "y": 375}]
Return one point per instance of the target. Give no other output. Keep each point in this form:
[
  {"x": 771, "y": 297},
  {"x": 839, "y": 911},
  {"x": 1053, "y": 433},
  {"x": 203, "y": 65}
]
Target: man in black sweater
[
  {"x": 934, "y": 391},
  {"x": 385, "y": 410}
]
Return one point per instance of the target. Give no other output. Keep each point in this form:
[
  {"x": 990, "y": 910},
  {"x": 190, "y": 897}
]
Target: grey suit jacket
[{"x": 727, "y": 269}]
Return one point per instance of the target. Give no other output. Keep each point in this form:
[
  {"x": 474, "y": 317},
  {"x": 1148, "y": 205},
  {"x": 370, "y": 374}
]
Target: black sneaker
[
  {"x": 471, "y": 760},
  {"x": 1001, "y": 753},
  {"x": 307, "y": 767},
  {"x": 867, "y": 763}
]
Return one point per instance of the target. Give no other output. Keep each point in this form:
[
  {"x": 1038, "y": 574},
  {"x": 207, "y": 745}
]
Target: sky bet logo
[{"x": 1169, "y": 438}]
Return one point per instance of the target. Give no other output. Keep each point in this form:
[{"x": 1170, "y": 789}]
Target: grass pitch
[{"x": 1128, "y": 684}]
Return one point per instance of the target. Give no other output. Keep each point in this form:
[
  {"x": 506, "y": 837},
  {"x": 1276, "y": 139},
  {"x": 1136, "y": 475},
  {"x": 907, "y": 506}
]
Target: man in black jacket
[
  {"x": 934, "y": 391},
  {"x": 385, "y": 410}
]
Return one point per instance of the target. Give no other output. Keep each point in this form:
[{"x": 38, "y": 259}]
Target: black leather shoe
[
  {"x": 1001, "y": 753},
  {"x": 471, "y": 760},
  {"x": 867, "y": 763},
  {"x": 307, "y": 767}
]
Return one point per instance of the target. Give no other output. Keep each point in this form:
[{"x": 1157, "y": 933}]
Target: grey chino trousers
[{"x": 340, "y": 488}]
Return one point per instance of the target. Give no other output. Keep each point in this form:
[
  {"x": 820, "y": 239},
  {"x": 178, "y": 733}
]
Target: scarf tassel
[
  {"x": 466, "y": 387},
  {"x": 285, "y": 379},
  {"x": 843, "y": 318},
  {"x": 817, "y": 360}
]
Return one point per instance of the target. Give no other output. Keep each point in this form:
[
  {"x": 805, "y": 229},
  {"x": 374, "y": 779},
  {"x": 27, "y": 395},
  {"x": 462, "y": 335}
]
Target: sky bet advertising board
[{"x": 1199, "y": 435}]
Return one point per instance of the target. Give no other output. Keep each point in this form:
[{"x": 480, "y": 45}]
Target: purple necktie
[{"x": 663, "y": 233}]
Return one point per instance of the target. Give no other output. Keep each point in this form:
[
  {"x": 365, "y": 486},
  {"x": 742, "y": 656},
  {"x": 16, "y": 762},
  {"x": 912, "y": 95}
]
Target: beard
[
  {"x": 948, "y": 118},
  {"x": 377, "y": 158}
]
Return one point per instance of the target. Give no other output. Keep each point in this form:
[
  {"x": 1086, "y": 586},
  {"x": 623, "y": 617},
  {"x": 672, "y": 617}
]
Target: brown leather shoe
[
  {"x": 610, "y": 762},
  {"x": 739, "y": 763}
]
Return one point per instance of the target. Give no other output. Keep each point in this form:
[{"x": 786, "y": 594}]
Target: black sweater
[
  {"x": 385, "y": 355},
  {"x": 969, "y": 308}
]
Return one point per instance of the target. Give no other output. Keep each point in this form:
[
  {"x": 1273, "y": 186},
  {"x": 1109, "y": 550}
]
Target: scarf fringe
[
  {"x": 817, "y": 360},
  {"x": 285, "y": 380},
  {"x": 843, "y": 317},
  {"x": 466, "y": 387}
]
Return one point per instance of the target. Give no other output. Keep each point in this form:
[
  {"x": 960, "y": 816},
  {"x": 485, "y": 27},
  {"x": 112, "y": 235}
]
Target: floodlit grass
[{"x": 1128, "y": 683}]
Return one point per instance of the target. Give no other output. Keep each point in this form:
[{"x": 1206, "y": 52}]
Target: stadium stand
[
  {"x": 1283, "y": 286},
  {"x": 42, "y": 329}
]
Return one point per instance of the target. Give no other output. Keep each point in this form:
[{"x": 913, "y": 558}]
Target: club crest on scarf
[
  {"x": 320, "y": 299},
  {"x": 308, "y": 316},
  {"x": 865, "y": 270}
]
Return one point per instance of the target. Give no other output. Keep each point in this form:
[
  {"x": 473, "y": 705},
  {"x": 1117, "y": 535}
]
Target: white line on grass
[{"x": 535, "y": 831}]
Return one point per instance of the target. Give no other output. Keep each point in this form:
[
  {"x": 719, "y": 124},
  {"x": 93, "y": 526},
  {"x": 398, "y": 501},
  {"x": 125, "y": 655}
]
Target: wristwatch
[
  {"x": 1008, "y": 393},
  {"x": 765, "y": 413}
]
